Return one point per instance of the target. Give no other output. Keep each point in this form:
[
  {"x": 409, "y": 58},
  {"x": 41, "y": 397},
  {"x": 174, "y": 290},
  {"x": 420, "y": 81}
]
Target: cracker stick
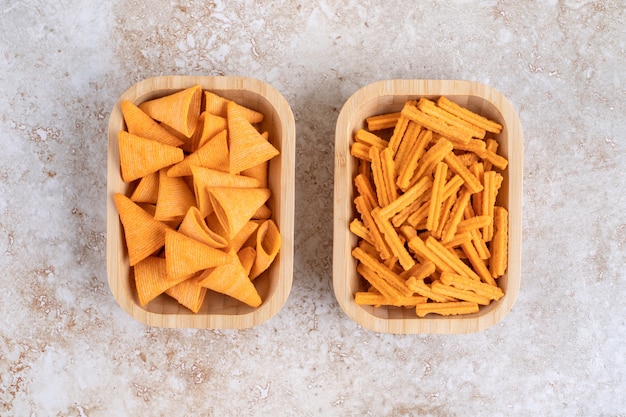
[
  {"x": 468, "y": 284},
  {"x": 379, "y": 176},
  {"x": 389, "y": 173},
  {"x": 451, "y": 260},
  {"x": 476, "y": 222},
  {"x": 446, "y": 309},
  {"x": 419, "y": 287},
  {"x": 434, "y": 209},
  {"x": 457, "y": 167},
  {"x": 408, "y": 167},
  {"x": 420, "y": 271},
  {"x": 365, "y": 210},
  {"x": 405, "y": 199},
  {"x": 429, "y": 107},
  {"x": 398, "y": 132},
  {"x": 368, "y": 138},
  {"x": 417, "y": 218},
  {"x": 466, "y": 114},
  {"x": 361, "y": 151},
  {"x": 440, "y": 288},
  {"x": 434, "y": 124},
  {"x": 372, "y": 298},
  {"x": 365, "y": 188},
  {"x": 382, "y": 121},
  {"x": 456, "y": 215},
  {"x": 391, "y": 278},
  {"x": 407, "y": 142},
  {"x": 365, "y": 168},
  {"x": 402, "y": 216},
  {"x": 499, "y": 243},
  {"x": 377, "y": 282},
  {"x": 475, "y": 146},
  {"x": 492, "y": 146},
  {"x": 393, "y": 240},
  {"x": 452, "y": 186},
  {"x": 444, "y": 215},
  {"x": 433, "y": 156},
  {"x": 477, "y": 170},
  {"x": 494, "y": 159},
  {"x": 492, "y": 181},
  {"x": 358, "y": 228},
  {"x": 424, "y": 253},
  {"x": 480, "y": 244},
  {"x": 479, "y": 264}
]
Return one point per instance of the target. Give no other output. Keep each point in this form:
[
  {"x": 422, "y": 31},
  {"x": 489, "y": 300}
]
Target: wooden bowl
[
  {"x": 390, "y": 96},
  {"x": 218, "y": 311}
]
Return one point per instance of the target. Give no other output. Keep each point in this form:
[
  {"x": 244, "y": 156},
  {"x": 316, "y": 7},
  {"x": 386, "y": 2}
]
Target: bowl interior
[
  {"x": 218, "y": 311},
  {"x": 378, "y": 99}
]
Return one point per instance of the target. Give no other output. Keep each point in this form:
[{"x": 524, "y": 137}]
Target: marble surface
[{"x": 67, "y": 349}]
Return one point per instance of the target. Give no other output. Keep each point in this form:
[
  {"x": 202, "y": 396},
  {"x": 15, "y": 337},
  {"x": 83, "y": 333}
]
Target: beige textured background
[{"x": 67, "y": 349}]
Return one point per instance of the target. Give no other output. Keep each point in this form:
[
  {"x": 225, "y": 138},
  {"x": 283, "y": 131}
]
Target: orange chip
[
  {"x": 174, "y": 198},
  {"x": 217, "y": 105},
  {"x": 194, "y": 226},
  {"x": 213, "y": 154},
  {"x": 268, "y": 243},
  {"x": 205, "y": 178},
  {"x": 186, "y": 256},
  {"x": 246, "y": 257},
  {"x": 209, "y": 125},
  {"x": 241, "y": 239},
  {"x": 188, "y": 294},
  {"x": 234, "y": 207},
  {"x": 144, "y": 235},
  {"x": 247, "y": 147},
  {"x": 231, "y": 279},
  {"x": 140, "y": 124},
  {"x": 263, "y": 213},
  {"x": 147, "y": 190},
  {"x": 259, "y": 172},
  {"x": 140, "y": 156},
  {"x": 178, "y": 110},
  {"x": 151, "y": 279}
]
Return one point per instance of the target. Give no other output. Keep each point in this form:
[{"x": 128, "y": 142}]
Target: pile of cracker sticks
[
  {"x": 197, "y": 218},
  {"x": 430, "y": 234}
]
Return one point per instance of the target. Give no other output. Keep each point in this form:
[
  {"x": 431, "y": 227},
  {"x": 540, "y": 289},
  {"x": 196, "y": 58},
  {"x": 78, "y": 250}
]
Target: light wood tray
[
  {"x": 390, "y": 96},
  {"x": 218, "y": 311}
]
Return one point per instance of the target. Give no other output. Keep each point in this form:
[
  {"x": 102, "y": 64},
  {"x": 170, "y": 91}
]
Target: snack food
[
  {"x": 431, "y": 233},
  {"x": 197, "y": 169}
]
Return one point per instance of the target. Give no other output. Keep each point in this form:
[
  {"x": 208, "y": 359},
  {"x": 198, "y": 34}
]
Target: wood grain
[
  {"x": 389, "y": 96},
  {"x": 218, "y": 311}
]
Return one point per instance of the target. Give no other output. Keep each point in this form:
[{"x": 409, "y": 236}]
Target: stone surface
[{"x": 67, "y": 349}]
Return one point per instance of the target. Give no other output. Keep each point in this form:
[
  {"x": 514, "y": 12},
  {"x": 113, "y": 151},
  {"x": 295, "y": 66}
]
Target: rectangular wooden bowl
[
  {"x": 389, "y": 96},
  {"x": 218, "y": 311}
]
